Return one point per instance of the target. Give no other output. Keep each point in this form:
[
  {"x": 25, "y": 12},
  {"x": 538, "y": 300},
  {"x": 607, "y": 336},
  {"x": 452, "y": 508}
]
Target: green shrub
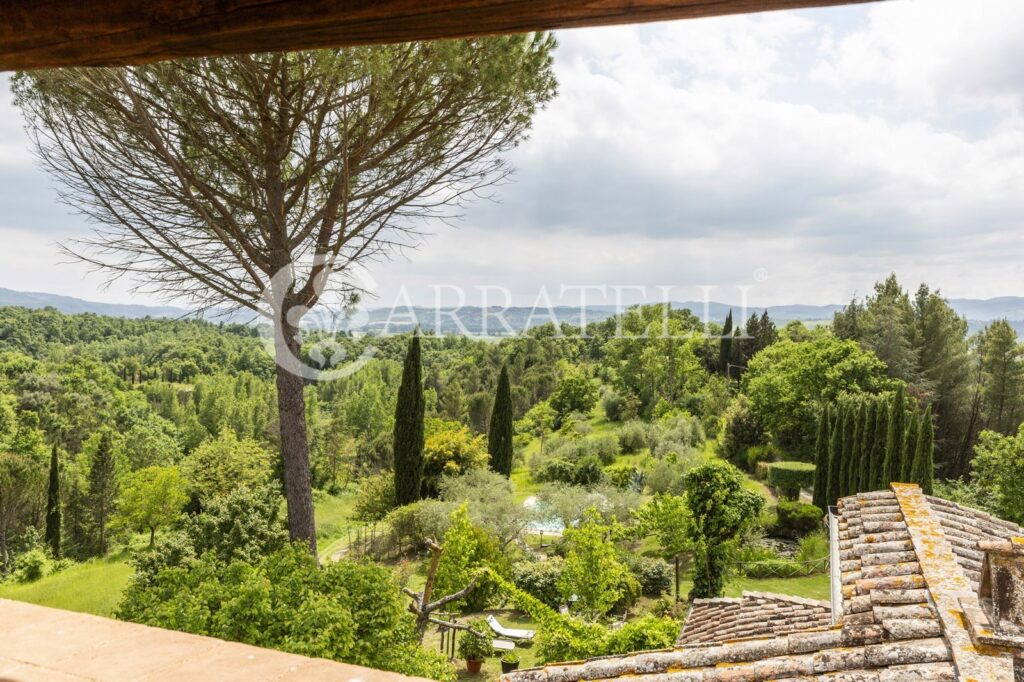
[
  {"x": 756, "y": 454},
  {"x": 774, "y": 568},
  {"x": 474, "y": 647},
  {"x": 632, "y": 437},
  {"x": 557, "y": 470},
  {"x": 796, "y": 519},
  {"x": 606, "y": 448},
  {"x": 642, "y": 634},
  {"x": 741, "y": 429},
  {"x": 655, "y": 576},
  {"x": 625, "y": 476},
  {"x": 376, "y": 497},
  {"x": 540, "y": 579},
  {"x": 789, "y": 477},
  {"x": 346, "y": 610},
  {"x": 813, "y": 546},
  {"x": 589, "y": 471},
  {"x": 31, "y": 565}
]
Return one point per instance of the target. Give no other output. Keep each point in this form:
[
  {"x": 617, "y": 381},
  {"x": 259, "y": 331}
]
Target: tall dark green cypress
[
  {"x": 408, "y": 440},
  {"x": 877, "y": 456},
  {"x": 924, "y": 459},
  {"x": 835, "y": 454},
  {"x": 910, "y": 446},
  {"x": 102, "y": 488},
  {"x": 821, "y": 459},
  {"x": 499, "y": 435},
  {"x": 849, "y": 466},
  {"x": 725, "y": 346},
  {"x": 53, "y": 505},
  {"x": 867, "y": 425},
  {"x": 894, "y": 438},
  {"x": 849, "y": 436}
]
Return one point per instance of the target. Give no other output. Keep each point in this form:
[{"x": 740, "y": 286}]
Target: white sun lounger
[
  {"x": 510, "y": 633},
  {"x": 503, "y": 645}
]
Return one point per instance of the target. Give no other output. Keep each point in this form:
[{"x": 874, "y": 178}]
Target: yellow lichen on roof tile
[{"x": 948, "y": 586}]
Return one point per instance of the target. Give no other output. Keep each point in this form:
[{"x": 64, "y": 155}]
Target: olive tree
[{"x": 258, "y": 182}]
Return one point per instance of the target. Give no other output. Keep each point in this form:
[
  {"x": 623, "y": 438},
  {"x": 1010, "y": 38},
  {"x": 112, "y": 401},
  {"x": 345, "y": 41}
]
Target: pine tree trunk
[{"x": 291, "y": 409}]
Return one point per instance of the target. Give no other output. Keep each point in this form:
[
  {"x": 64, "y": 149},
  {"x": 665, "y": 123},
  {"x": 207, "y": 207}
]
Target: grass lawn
[
  {"x": 334, "y": 520},
  {"x": 91, "y": 587}
]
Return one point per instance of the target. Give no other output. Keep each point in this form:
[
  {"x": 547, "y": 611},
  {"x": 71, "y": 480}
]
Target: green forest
[{"x": 581, "y": 483}]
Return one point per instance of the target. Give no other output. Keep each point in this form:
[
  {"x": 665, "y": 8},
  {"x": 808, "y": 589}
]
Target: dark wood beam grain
[{"x": 50, "y": 33}]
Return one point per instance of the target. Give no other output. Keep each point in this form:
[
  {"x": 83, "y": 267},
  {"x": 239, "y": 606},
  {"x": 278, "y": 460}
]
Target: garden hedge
[{"x": 789, "y": 477}]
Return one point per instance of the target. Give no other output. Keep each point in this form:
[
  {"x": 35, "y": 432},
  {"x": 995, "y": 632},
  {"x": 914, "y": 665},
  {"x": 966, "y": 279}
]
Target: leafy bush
[
  {"x": 606, "y": 448},
  {"x": 613, "y": 404},
  {"x": 625, "y": 476},
  {"x": 589, "y": 471},
  {"x": 31, "y": 565},
  {"x": 741, "y": 429},
  {"x": 813, "y": 546},
  {"x": 789, "y": 477},
  {"x": 474, "y": 647},
  {"x": 410, "y": 524},
  {"x": 467, "y": 550},
  {"x": 242, "y": 525},
  {"x": 632, "y": 437},
  {"x": 376, "y": 497},
  {"x": 345, "y": 611},
  {"x": 757, "y": 454},
  {"x": 654, "y": 575},
  {"x": 540, "y": 579},
  {"x": 796, "y": 519},
  {"x": 675, "y": 432},
  {"x": 557, "y": 470}
]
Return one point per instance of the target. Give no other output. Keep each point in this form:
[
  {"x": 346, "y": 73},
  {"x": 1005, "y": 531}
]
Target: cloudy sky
[{"x": 801, "y": 154}]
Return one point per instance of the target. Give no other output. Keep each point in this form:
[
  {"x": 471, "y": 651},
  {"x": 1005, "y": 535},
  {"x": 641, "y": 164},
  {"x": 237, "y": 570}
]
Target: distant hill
[
  {"x": 472, "y": 318},
  {"x": 69, "y": 304}
]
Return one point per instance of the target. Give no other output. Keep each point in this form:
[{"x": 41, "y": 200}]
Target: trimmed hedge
[
  {"x": 796, "y": 519},
  {"x": 789, "y": 477}
]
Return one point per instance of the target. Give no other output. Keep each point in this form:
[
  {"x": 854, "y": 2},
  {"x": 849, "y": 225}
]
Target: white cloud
[{"x": 827, "y": 147}]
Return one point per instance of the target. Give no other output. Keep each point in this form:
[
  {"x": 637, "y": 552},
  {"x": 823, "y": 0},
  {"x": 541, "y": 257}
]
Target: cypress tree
[
  {"x": 499, "y": 435},
  {"x": 867, "y": 425},
  {"x": 835, "y": 448},
  {"x": 849, "y": 426},
  {"x": 924, "y": 458},
  {"x": 910, "y": 446},
  {"x": 725, "y": 347},
  {"x": 408, "y": 434},
  {"x": 877, "y": 456},
  {"x": 53, "y": 506},
  {"x": 821, "y": 459},
  {"x": 850, "y": 467},
  {"x": 102, "y": 488},
  {"x": 894, "y": 438}
]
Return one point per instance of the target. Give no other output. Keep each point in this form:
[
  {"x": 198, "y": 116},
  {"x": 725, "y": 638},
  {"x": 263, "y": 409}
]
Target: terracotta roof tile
[
  {"x": 889, "y": 629},
  {"x": 752, "y": 615}
]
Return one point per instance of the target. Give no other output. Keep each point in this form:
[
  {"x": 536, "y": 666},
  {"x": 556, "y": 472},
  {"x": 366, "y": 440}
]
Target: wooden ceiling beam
[{"x": 53, "y": 33}]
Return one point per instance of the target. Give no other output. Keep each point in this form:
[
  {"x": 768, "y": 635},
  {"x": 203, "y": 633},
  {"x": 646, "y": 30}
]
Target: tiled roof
[
  {"x": 909, "y": 575},
  {"x": 752, "y": 615},
  {"x": 964, "y": 528}
]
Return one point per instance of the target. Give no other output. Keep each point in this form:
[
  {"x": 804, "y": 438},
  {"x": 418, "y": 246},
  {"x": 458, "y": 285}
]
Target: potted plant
[
  {"x": 475, "y": 648},
  {"x": 509, "y": 662}
]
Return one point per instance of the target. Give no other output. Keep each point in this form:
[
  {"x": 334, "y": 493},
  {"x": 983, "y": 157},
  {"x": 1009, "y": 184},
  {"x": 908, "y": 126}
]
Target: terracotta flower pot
[{"x": 474, "y": 666}]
